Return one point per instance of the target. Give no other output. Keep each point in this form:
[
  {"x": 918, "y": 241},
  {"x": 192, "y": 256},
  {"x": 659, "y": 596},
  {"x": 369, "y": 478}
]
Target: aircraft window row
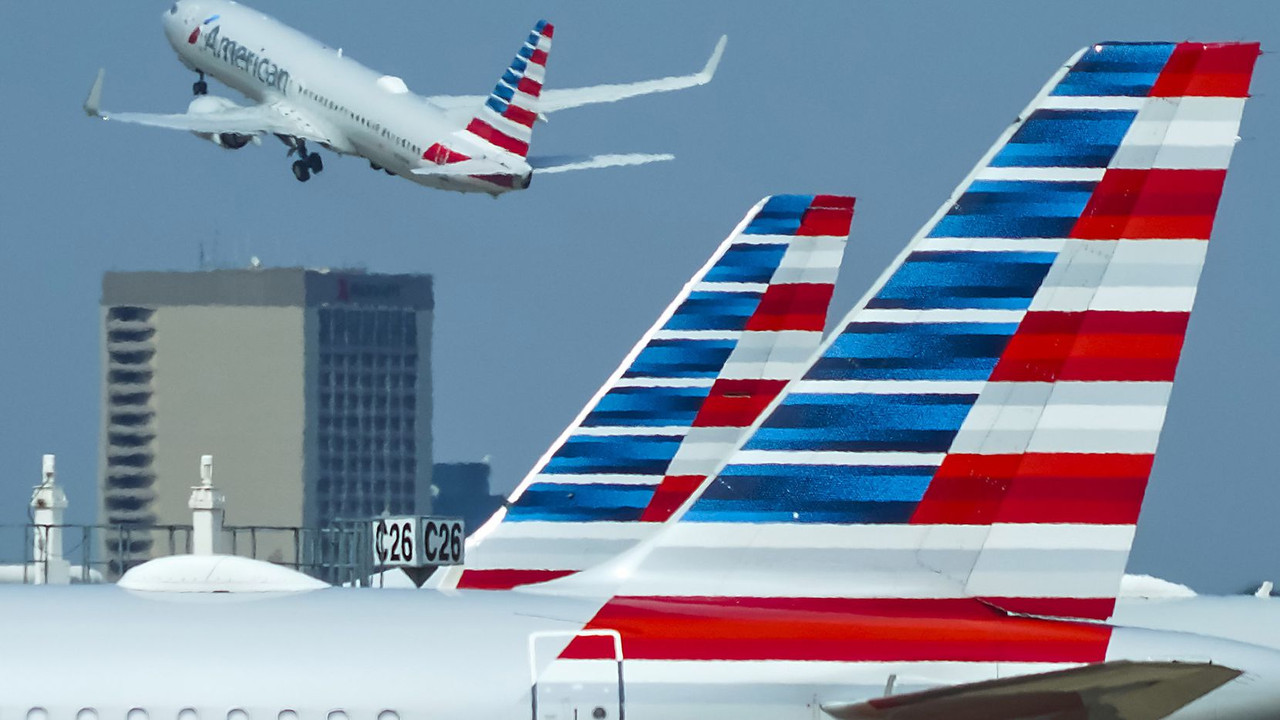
[{"x": 40, "y": 713}]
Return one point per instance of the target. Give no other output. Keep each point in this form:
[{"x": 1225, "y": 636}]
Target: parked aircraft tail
[
  {"x": 745, "y": 324},
  {"x": 977, "y": 437}
]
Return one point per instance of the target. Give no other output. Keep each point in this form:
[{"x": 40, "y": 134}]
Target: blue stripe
[
  {"x": 518, "y": 65},
  {"x": 863, "y": 423},
  {"x": 533, "y": 39},
  {"x": 504, "y": 92},
  {"x": 576, "y": 502},
  {"x": 844, "y": 494},
  {"x": 714, "y": 311},
  {"x": 1015, "y": 209},
  {"x": 913, "y": 351},
  {"x": 525, "y": 52},
  {"x": 1066, "y": 138},
  {"x": 997, "y": 280},
  {"x": 681, "y": 358},
  {"x": 496, "y": 105},
  {"x": 540, "y": 26},
  {"x": 781, "y": 215},
  {"x": 1123, "y": 69},
  {"x": 615, "y": 454},
  {"x": 647, "y": 407},
  {"x": 747, "y": 264}
]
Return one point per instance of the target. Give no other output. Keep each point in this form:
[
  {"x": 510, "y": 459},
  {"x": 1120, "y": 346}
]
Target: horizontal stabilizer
[
  {"x": 553, "y": 100},
  {"x": 565, "y": 163},
  {"x": 1117, "y": 690}
]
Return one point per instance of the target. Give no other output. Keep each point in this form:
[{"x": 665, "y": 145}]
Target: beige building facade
[{"x": 311, "y": 389}]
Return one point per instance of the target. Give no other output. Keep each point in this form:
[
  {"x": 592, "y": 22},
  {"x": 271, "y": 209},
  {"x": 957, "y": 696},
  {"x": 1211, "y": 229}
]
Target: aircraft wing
[
  {"x": 1119, "y": 690},
  {"x": 552, "y": 99},
  {"x": 226, "y": 117}
]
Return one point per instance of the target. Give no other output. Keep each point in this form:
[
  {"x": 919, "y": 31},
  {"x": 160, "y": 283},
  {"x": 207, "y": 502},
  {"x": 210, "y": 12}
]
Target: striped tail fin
[
  {"x": 745, "y": 324},
  {"x": 506, "y": 119},
  {"x": 984, "y": 423}
]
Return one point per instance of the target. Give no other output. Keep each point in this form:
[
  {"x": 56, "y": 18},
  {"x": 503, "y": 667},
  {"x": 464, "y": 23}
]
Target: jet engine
[{"x": 209, "y": 104}]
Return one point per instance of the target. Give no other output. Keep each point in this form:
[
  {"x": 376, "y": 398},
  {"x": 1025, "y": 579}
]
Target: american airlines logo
[{"x": 238, "y": 56}]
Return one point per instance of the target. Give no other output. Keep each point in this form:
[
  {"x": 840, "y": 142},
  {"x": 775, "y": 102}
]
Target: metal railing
[{"x": 339, "y": 554}]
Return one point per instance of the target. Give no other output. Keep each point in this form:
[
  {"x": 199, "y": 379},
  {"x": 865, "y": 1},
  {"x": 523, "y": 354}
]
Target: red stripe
[
  {"x": 548, "y": 30},
  {"x": 442, "y": 155},
  {"x": 507, "y": 579},
  {"x": 833, "y": 202},
  {"x": 520, "y": 115},
  {"x": 737, "y": 403},
  {"x": 529, "y": 87},
  {"x": 792, "y": 306},
  {"x": 825, "y": 221},
  {"x": 539, "y": 57},
  {"x": 1151, "y": 204},
  {"x": 1093, "y": 345},
  {"x": 1091, "y": 608},
  {"x": 1216, "y": 70},
  {"x": 1098, "y": 489},
  {"x": 670, "y": 495},
  {"x": 485, "y": 131},
  {"x": 835, "y": 629}
]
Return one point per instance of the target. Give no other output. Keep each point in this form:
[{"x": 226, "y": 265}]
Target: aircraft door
[{"x": 591, "y": 688}]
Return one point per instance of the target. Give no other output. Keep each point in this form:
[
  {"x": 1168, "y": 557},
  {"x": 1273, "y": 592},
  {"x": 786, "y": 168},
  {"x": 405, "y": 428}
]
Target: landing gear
[
  {"x": 308, "y": 163},
  {"x": 200, "y": 87}
]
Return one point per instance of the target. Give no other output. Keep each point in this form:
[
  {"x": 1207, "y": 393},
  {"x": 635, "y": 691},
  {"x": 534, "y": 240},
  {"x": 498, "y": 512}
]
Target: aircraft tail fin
[
  {"x": 506, "y": 119},
  {"x": 744, "y": 325},
  {"x": 980, "y": 430}
]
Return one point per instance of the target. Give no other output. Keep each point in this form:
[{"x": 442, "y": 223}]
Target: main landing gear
[
  {"x": 200, "y": 87},
  {"x": 307, "y": 164}
]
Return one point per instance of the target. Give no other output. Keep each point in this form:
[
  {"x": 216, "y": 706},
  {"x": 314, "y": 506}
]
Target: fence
[{"x": 339, "y": 554}]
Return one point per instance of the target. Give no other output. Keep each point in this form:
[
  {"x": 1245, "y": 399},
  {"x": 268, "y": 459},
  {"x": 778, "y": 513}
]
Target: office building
[
  {"x": 311, "y": 389},
  {"x": 462, "y": 490}
]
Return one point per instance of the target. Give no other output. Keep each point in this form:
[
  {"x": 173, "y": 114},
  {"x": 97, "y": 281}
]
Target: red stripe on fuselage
[
  {"x": 835, "y": 629},
  {"x": 1093, "y": 345},
  {"x": 1213, "y": 70},
  {"x": 506, "y": 579}
]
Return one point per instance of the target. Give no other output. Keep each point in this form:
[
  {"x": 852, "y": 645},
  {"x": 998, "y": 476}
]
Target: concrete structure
[
  {"x": 462, "y": 490},
  {"x": 207, "y": 509},
  {"x": 312, "y": 387}
]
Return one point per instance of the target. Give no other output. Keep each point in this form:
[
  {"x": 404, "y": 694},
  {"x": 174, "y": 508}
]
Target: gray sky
[{"x": 539, "y": 294}]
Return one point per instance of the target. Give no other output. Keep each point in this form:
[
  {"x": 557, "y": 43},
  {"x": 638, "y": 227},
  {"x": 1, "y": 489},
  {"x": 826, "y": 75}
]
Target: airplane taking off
[
  {"x": 930, "y": 522},
  {"x": 307, "y": 92}
]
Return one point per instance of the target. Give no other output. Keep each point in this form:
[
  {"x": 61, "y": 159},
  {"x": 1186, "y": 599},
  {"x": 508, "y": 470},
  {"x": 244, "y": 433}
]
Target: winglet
[
  {"x": 713, "y": 62},
  {"x": 93, "y": 103}
]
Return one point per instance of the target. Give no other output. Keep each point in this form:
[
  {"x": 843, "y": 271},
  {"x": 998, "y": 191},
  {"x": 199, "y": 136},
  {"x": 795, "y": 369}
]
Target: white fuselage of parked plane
[
  {"x": 419, "y": 655},
  {"x": 359, "y": 111}
]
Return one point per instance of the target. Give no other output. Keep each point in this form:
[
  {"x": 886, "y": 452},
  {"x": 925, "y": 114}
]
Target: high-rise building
[
  {"x": 462, "y": 490},
  {"x": 311, "y": 389}
]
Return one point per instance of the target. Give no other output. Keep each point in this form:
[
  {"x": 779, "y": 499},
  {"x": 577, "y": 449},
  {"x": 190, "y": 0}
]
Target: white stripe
[
  {"x": 602, "y": 478},
  {"x": 664, "y": 382},
  {"x": 1055, "y": 174},
  {"x": 730, "y": 287},
  {"x": 1065, "y": 102},
  {"x": 645, "y": 430},
  {"x": 940, "y": 316},
  {"x": 1060, "y": 537},
  {"x": 991, "y": 244},
  {"x": 696, "y": 335},
  {"x": 813, "y": 457},
  {"x": 886, "y": 387}
]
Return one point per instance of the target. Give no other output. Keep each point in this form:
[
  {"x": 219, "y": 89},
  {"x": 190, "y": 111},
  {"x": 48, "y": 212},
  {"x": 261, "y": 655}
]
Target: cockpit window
[{"x": 173, "y": 10}]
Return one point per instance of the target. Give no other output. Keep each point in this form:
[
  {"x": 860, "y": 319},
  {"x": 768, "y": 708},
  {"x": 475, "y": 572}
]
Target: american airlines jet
[
  {"x": 931, "y": 521},
  {"x": 306, "y": 92}
]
